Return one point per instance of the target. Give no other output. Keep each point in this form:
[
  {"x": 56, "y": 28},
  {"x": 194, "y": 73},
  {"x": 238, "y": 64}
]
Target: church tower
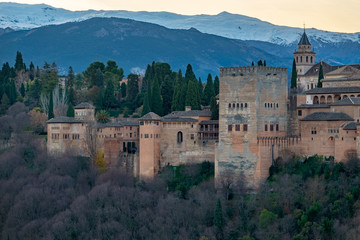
[{"x": 304, "y": 57}]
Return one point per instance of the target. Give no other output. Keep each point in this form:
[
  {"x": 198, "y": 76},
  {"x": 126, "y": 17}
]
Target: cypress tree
[
  {"x": 147, "y": 78},
  {"x": 321, "y": 76},
  {"x": 123, "y": 90},
  {"x": 19, "y": 63},
  {"x": 70, "y": 111},
  {"x": 70, "y": 85},
  {"x": 109, "y": 95},
  {"x": 214, "y": 108},
  {"x": 177, "y": 101},
  {"x": 192, "y": 96},
  {"x": 209, "y": 91},
  {"x": 5, "y": 103},
  {"x": 149, "y": 94},
  {"x": 201, "y": 90},
  {"x": 22, "y": 90},
  {"x": 252, "y": 63},
  {"x": 216, "y": 85},
  {"x": 99, "y": 78},
  {"x": 167, "y": 92},
  {"x": 156, "y": 101},
  {"x": 189, "y": 74},
  {"x": 132, "y": 87},
  {"x": 264, "y": 63},
  {"x": 146, "y": 106},
  {"x": 293, "y": 75},
  {"x": 218, "y": 216},
  {"x": 12, "y": 94},
  {"x": 51, "y": 107},
  {"x": 260, "y": 63}
]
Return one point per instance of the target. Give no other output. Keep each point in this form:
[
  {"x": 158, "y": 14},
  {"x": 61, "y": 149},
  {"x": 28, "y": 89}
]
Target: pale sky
[{"x": 331, "y": 15}]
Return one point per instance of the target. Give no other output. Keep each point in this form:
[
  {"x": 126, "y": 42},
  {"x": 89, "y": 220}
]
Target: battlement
[
  {"x": 289, "y": 140},
  {"x": 240, "y": 71}
]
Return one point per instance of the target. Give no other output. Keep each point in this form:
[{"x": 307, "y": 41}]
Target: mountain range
[{"x": 24, "y": 27}]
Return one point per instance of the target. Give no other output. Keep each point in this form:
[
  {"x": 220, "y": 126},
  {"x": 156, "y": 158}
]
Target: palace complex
[{"x": 259, "y": 119}]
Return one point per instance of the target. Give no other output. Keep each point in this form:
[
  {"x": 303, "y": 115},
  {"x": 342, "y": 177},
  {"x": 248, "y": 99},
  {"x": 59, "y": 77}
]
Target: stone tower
[
  {"x": 253, "y": 106},
  {"x": 150, "y": 129},
  {"x": 304, "y": 58}
]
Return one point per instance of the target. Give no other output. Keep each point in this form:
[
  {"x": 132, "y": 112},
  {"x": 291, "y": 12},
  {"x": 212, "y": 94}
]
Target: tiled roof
[
  {"x": 64, "y": 119},
  {"x": 84, "y": 105},
  {"x": 350, "y": 126},
  {"x": 347, "y": 70},
  {"x": 313, "y": 106},
  {"x": 118, "y": 124},
  {"x": 328, "y": 116},
  {"x": 333, "y": 90},
  {"x": 209, "y": 122},
  {"x": 314, "y": 70},
  {"x": 191, "y": 113},
  {"x": 150, "y": 116},
  {"x": 347, "y": 101},
  {"x": 304, "y": 40},
  {"x": 178, "y": 120}
]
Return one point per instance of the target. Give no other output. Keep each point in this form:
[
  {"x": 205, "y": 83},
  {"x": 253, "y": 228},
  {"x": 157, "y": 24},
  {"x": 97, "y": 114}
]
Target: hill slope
[{"x": 131, "y": 43}]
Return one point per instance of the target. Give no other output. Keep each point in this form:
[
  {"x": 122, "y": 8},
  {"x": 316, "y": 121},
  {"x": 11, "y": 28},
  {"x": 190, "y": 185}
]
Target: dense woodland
[{"x": 43, "y": 197}]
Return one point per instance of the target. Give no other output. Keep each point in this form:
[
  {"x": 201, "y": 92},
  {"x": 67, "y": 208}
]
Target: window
[
  {"x": 265, "y": 105},
  {"x": 55, "y": 128},
  {"x": 237, "y": 127},
  {"x": 299, "y": 112},
  {"x": 266, "y": 127},
  {"x": 277, "y": 127},
  {"x": 179, "y": 137},
  {"x": 150, "y": 135},
  {"x": 277, "y": 105},
  {"x": 245, "y": 127},
  {"x": 141, "y": 123},
  {"x": 55, "y": 136},
  {"x": 130, "y": 135},
  {"x": 75, "y": 136},
  {"x": 130, "y": 128},
  {"x": 245, "y": 105},
  {"x": 313, "y": 130},
  {"x": 192, "y": 136},
  {"x": 307, "y": 59},
  {"x": 237, "y": 105},
  {"x": 241, "y": 105},
  {"x": 229, "y": 105},
  {"x": 271, "y": 127},
  {"x": 229, "y": 128},
  {"x": 65, "y": 136},
  {"x": 233, "y": 105},
  {"x": 146, "y": 136}
]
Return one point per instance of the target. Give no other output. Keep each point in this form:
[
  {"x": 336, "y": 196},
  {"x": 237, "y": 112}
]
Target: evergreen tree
[
  {"x": 252, "y": 63},
  {"x": 216, "y": 85},
  {"x": 167, "y": 92},
  {"x": 146, "y": 106},
  {"x": 321, "y": 76},
  {"x": 32, "y": 71},
  {"x": 48, "y": 77},
  {"x": 201, "y": 90},
  {"x": 132, "y": 87},
  {"x": 70, "y": 111},
  {"x": 189, "y": 74},
  {"x": 178, "y": 103},
  {"x": 265, "y": 63},
  {"x": 22, "y": 90},
  {"x": 156, "y": 101},
  {"x": 149, "y": 75},
  {"x": 192, "y": 95},
  {"x": 109, "y": 95},
  {"x": 99, "y": 78},
  {"x": 5, "y": 103},
  {"x": 70, "y": 85},
  {"x": 209, "y": 91},
  {"x": 19, "y": 63},
  {"x": 27, "y": 87},
  {"x": 214, "y": 108},
  {"x": 293, "y": 75},
  {"x": 51, "y": 107},
  {"x": 11, "y": 91},
  {"x": 218, "y": 216},
  {"x": 123, "y": 90},
  {"x": 103, "y": 116},
  {"x": 260, "y": 63},
  {"x": 91, "y": 74},
  {"x": 148, "y": 90}
]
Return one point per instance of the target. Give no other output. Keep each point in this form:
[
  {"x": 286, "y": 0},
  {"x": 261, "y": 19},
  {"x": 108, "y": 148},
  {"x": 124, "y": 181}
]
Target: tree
[
  {"x": 156, "y": 101},
  {"x": 5, "y": 103},
  {"x": 214, "y": 108},
  {"x": 51, "y": 107},
  {"x": 103, "y": 116},
  {"x": 99, "y": 78},
  {"x": 321, "y": 76},
  {"x": 146, "y": 106},
  {"x": 109, "y": 96},
  {"x": 90, "y": 73},
  {"x": 209, "y": 91},
  {"x": 192, "y": 96},
  {"x": 11, "y": 91},
  {"x": 178, "y": 101},
  {"x": 266, "y": 218},
  {"x": 48, "y": 77},
  {"x": 167, "y": 92},
  {"x": 149, "y": 75},
  {"x": 70, "y": 111},
  {"x": 200, "y": 88},
  {"x": 22, "y": 90},
  {"x": 123, "y": 90},
  {"x": 219, "y": 221},
  {"x": 260, "y": 63},
  {"x": 19, "y": 63},
  {"x": 293, "y": 75},
  {"x": 216, "y": 85},
  {"x": 132, "y": 87},
  {"x": 264, "y": 63},
  {"x": 32, "y": 71},
  {"x": 189, "y": 74},
  {"x": 70, "y": 85},
  {"x": 99, "y": 161},
  {"x": 252, "y": 63}
]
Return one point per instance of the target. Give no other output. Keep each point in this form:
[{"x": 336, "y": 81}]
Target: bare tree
[
  {"x": 60, "y": 102},
  {"x": 91, "y": 139},
  {"x": 44, "y": 103}
]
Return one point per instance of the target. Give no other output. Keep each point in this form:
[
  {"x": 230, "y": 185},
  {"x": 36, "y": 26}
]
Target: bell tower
[{"x": 304, "y": 56}]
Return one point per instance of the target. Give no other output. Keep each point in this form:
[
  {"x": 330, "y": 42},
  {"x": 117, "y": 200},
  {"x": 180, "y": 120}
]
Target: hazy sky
[{"x": 332, "y": 15}]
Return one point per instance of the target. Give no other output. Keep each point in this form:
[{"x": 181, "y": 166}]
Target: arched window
[
  {"x": 307, "y": 59},
  {"x": 179, "y": 137},
  {"x": 297, "y": 59},
  {"x": 301, "y": 59},
  {"x": 311, "y": 59}
]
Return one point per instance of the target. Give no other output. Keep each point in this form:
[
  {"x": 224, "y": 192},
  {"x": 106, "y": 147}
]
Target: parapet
[{"x": 241, "y": 71}]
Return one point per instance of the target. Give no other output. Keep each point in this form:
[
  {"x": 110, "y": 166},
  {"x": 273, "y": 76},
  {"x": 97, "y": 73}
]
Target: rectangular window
[
  {"x": 277, "y": 127},
  {"x": 130, "y": 134},
  {"x": 245, "y": 127},
  {"x": 266, "y": 127},
  {"x": 192, "y": 136},
  {"x": 65, "y": 136},
  {"x": 229, "y": 128},
  {"x": 146, "y": 135},
  {"x": 55, "y": 136},
  {"x": 237, "y": 127},
  {"x": 271, "y": 127},
  {"x": 299, "y": 112},
  {"x": 313, "y": 130},
  {"x": 75, "y": 136}
]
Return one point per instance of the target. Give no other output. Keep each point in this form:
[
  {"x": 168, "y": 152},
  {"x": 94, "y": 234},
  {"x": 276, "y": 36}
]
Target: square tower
[{"x": 252, "y": 106}]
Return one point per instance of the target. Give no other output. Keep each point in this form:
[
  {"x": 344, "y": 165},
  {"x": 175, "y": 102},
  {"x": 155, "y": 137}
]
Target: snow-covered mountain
[{"x": 24, "y": 16}]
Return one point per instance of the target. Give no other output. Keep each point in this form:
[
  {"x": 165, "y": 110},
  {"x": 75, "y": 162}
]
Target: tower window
[
  {"x": 230, "y": 128},
  {"x": 179, "y": 137},
  {"x": 277, "y": 127},
  {"x": 237, "y": 127},
  {"x": 245, "y": 105},
  {"x": 271, "y": 127},
  {"x": 307, "y": 59},
  {"x": 229, "y": 105},
  {"x": 245, "y": 127},
  {"x": 266, "y": 127}
]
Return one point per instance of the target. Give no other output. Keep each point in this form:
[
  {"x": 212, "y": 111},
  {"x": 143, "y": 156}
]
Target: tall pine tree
[
  {"x": 167, "y": 92},
  {"x": 70, "y": 111},
  {"x": 70, "y": 85},
  {"x": 51, "y": 107},
  {"x": 201, "y": 90},
  {"x": 321, "y": 76},
  {"x": 178, "y": 102},
  {"x": 216, "y": 85},
  {"x": 209, "y": 91},
  {"x": 293, "y": 75},
  {"x": 146, "y": 106},
  {"x": 109, "y": 100},
  {"x": 192, "y": 95},
  {"x": 19, "y": 63},
  {"x": 156, "y": 101},
  {"x": 22, "y": 90}
]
